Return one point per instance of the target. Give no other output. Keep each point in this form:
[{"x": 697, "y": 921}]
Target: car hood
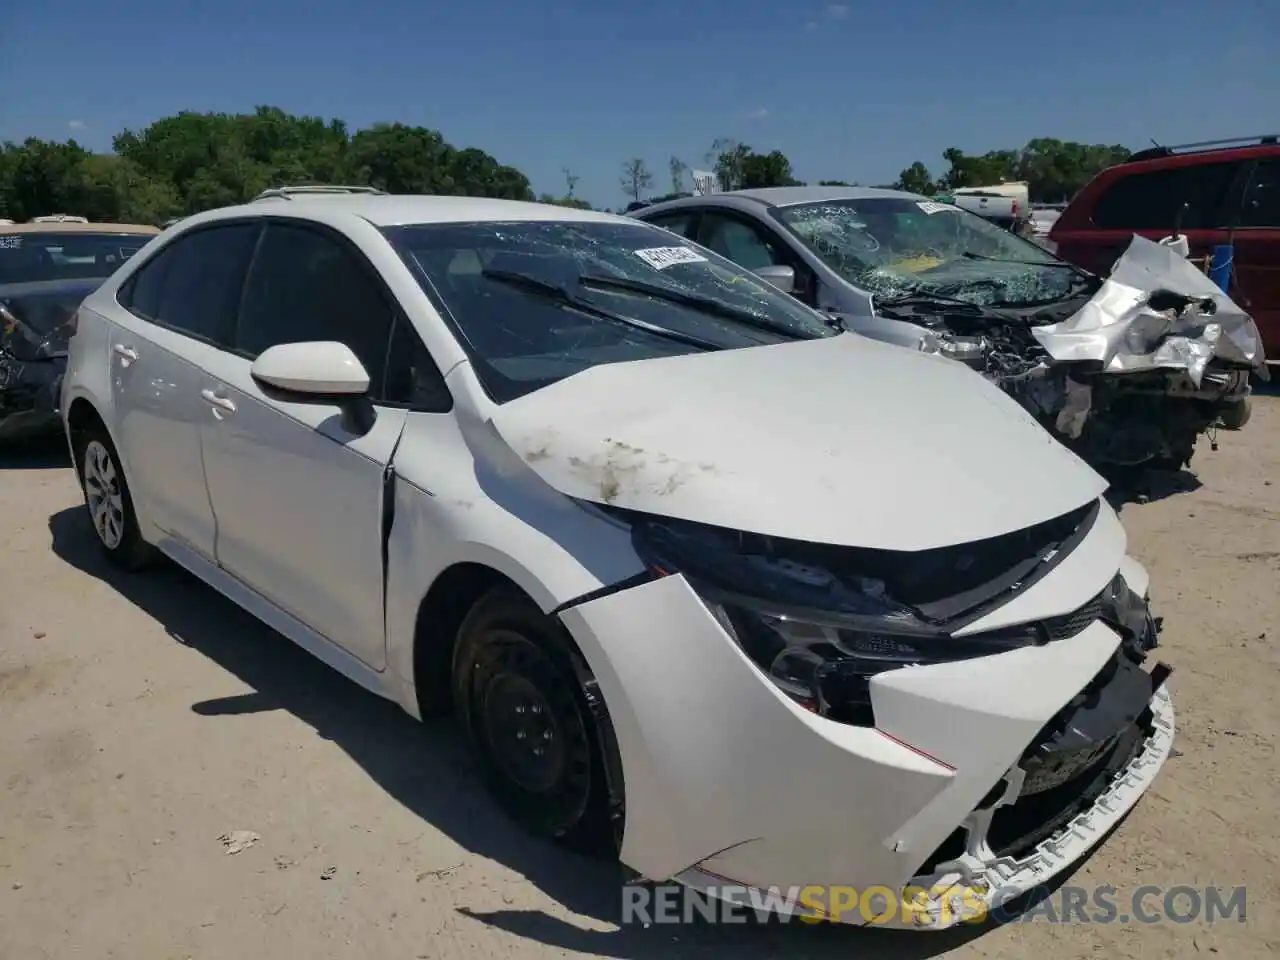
[
  {"x": 840, "y": 440},
  {"x": 35, "y": 315}
]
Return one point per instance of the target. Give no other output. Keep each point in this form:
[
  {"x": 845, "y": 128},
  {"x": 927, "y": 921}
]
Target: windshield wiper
[
  {"x": 923, "y": 298},
  {"x": 696, "y": 302},
  {"x": 1060, "y": 264},
  {"x": 554, "y": 291}
]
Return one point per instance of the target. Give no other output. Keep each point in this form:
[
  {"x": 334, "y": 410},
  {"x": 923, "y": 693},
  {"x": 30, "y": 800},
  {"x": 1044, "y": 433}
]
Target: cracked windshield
[
  {"x": 894, "y": 246},
  {"x": 535, "y": 302}
]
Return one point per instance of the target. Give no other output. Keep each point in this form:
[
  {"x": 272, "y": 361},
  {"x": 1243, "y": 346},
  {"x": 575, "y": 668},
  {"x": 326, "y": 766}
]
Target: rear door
[
  {"x": 177, "y": 316},
  {"x": 1147, "y": 202},
  {"x": 1257, "y": 252}
]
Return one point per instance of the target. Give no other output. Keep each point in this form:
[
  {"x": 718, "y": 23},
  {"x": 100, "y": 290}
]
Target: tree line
[
  {"x": 1054, "y": 170},
  {"x": 189, "y": 162}
]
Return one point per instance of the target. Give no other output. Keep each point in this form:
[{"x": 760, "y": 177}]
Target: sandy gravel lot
[{"x": 142, "y": 718}]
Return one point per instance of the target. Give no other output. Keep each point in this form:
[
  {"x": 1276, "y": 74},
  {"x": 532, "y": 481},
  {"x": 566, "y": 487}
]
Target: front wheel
[
  {"x": 107, "y": 498},
  {"x": 535, "y": 735}
]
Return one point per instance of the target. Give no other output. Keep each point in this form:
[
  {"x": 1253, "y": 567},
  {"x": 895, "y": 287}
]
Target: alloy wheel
[{"x": 103, "y": 494}]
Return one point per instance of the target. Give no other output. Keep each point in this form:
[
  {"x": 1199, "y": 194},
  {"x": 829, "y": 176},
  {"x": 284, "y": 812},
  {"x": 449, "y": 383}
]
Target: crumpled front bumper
[{"x": 728, "y": 781}]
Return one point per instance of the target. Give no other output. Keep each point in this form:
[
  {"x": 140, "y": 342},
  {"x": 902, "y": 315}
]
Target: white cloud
[
  {"x": 759, "y": 113},
  {"x": 837, "y": 11},
  {"x": 76, "y": 124},
  {"x": 811, "y": 25}
]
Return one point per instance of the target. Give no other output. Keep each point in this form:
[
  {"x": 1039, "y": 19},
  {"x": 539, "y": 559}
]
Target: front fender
[{"x": 502, "y": 517}]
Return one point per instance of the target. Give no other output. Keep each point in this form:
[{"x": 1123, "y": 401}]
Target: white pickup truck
[{"x": 1008, "y": 204}]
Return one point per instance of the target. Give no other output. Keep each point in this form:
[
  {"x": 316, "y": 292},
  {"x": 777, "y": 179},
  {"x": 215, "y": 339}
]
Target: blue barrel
[{"x": 1220, "y": 266}]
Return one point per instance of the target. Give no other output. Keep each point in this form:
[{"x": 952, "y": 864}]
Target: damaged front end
[
  {"x": 36, "y": 324},
  {"x": 1156, "y": 357}
]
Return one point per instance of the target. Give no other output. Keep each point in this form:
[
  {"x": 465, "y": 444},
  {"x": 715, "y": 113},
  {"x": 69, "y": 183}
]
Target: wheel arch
[{"x": 441, "y": 611}]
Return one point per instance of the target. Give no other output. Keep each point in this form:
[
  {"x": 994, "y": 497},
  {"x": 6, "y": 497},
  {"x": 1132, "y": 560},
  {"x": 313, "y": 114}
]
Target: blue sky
[{"x": 849, "y": 91}]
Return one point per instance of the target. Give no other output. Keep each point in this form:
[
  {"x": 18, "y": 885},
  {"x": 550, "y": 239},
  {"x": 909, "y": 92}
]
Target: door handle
[
  {"x": 222, "y": 405},
  {"x": 127, "y": 355}
]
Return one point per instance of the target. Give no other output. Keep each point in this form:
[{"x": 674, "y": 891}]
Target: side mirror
[
  {"x": 781, "y": 276},
  {"x": 317, "y": 370}
]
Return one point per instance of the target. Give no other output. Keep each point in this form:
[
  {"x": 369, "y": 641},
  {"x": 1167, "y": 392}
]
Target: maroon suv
[{"x": 1219, "y": 192}]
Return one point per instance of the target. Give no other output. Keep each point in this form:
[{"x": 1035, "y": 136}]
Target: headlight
[
  {"x": 818, "y": 636},
  {"x": 1130, "y": 614}
]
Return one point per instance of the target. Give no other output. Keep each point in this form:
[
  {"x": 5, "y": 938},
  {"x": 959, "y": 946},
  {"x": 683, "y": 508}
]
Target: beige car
[{"x": 47, "y": 267}]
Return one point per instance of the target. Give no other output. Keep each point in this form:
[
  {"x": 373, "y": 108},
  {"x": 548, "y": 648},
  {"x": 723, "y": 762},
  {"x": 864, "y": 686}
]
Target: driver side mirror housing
[
  {"x": 320, "y": 371},
  {"x": 317, "y": 370},
  {"x": 781, "y": 276}
]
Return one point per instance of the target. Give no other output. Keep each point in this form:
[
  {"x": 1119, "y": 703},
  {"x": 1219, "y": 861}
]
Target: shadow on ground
[
  {"x": 1142, "y": 485},
  {"x": 46, "y": 453},
  {"x": 424, "y": 768}
]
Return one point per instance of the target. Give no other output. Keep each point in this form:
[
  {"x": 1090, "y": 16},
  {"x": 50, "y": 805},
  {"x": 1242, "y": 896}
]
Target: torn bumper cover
[
  {"x": 1156, "y": 357},
  {"x": 990, "y": 774}
]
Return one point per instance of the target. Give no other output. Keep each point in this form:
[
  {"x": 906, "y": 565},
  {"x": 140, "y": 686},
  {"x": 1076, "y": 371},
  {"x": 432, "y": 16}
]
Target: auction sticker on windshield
[
  {"x": 932, "y": 206},
  {"x": 662, "y": 257}
]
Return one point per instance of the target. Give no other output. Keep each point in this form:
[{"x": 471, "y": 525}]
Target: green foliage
[
  {"x": 738, "y": 167},
  {"x": 190, "y": 162},
  {"x": 1054, "y": 170}
]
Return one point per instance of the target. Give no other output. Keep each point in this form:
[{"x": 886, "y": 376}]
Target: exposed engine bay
[{"x": 1130, "y": 371}]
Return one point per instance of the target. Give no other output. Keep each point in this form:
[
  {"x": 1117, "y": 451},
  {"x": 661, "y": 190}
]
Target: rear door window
[
  {"x": 1151, "y": 200},
  {"x": 193, "y": 285}
]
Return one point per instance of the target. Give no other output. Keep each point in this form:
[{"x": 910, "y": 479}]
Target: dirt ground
[{"x": 143, "y": 718}]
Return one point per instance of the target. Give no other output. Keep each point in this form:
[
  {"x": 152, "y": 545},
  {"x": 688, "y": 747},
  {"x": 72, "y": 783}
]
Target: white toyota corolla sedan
[{"x": 745, "y": 598}]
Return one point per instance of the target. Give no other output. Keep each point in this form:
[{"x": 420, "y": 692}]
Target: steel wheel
[{"x": 544, "y": 745}]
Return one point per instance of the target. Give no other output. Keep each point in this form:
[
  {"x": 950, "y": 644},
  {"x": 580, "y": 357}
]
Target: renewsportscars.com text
[{"x": 1105, "y": 904}]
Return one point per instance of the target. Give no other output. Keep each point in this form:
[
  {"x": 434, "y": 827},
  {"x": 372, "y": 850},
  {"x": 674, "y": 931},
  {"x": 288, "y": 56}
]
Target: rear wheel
[
  {"x": 106, "y": 495},
  {"x": 520, "y": 700}
]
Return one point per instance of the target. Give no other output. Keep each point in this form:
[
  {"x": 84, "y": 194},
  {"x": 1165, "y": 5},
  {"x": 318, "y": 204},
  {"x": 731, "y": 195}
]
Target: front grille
[{"x": 1049, "y": 630}]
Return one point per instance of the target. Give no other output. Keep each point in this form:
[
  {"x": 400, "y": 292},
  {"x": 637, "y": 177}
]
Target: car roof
[
  {"x": 786, "y": 196},
  {"x": 767, "y": 197},
  {"x": 391, "y": 210},
  {"x": 72, "y": 226}
]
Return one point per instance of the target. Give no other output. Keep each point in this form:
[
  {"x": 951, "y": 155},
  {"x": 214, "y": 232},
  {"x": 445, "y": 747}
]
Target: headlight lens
[{"x": 820, "y": 638}]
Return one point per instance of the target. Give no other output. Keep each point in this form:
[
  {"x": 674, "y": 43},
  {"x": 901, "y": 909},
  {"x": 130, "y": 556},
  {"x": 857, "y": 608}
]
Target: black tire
[
  {"x": 127, "y": 550},
  {"x": 1237, "y": 415},
  {"x": 542, "y": 741}
]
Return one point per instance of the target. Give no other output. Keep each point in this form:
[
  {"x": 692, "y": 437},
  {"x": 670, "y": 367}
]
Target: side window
[
  {"x": 681, "y": 223},
  {"x": 412, "y": 376},
  {"x": 740, "y": 242},
  {"x": 304, "y": 286},
  {"x": 141, "y": 293},
  {"x": 1150, "y": 201},
  {"x": 1262, "y": 196},
  {"x": 193, "y": 285}
]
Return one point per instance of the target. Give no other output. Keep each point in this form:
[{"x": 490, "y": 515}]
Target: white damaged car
[{"x": 702, "y": 578}]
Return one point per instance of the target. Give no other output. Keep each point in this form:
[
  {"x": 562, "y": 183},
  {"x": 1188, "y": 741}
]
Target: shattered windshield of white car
[
  {"x": 534, "y": 302},
  {"x": 893, "y": 246}
]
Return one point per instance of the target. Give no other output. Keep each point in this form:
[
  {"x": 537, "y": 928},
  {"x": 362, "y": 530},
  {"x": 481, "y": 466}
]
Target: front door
[{"x": 298, "y": 487}]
